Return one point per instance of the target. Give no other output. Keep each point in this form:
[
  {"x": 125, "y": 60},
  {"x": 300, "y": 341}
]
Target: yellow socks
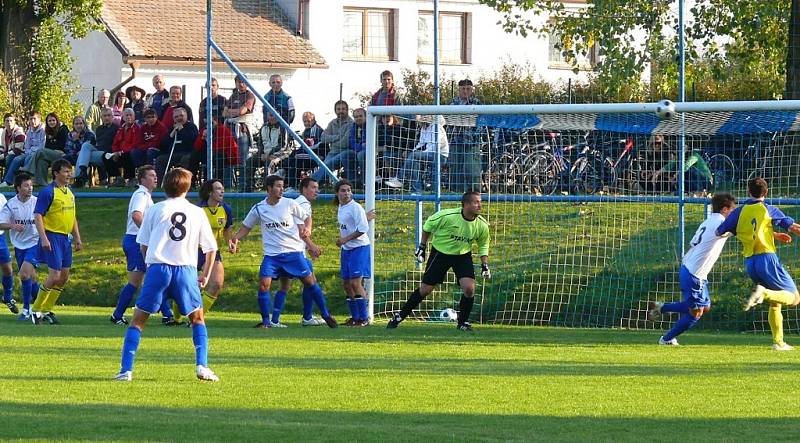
[
  {"x": 44, "y": 294},
  {"x": 208, "y": 301},
  {"x": 776, "y": 323},
  {"x": 51, "y": 299},
  {"x": 782, "y": 297}
]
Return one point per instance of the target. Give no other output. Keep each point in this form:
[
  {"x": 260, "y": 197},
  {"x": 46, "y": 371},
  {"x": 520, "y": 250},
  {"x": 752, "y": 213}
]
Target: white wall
[{"x": 97, "y": 64}]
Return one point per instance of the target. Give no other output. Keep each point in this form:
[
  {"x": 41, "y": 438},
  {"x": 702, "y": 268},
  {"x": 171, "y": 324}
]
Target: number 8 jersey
[
  {"x": 173, "y": 230},
  {"x": 705, "y": 247}
]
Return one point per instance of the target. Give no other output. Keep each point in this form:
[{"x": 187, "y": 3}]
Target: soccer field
[{"x": 423, "y": 381}]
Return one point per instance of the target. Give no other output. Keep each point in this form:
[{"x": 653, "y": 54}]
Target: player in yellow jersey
[
  {"x": 220, "y": 216},
  {"x": 752, "y": 223},
  {"x": 55, "y": 220}
]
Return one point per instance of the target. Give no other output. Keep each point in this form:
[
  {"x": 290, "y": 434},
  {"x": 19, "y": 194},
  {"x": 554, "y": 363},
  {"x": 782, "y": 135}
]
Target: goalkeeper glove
[
  {"x": 485, "y": 272},
  {"x": 419, "y": 254}
]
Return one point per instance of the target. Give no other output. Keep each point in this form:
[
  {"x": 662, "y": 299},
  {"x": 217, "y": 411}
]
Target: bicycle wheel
[
  {"x": 540, "y": 174},
  {"x": 723, "y": 172},
  {"x": 503, "y": 175},
  {"x": 590, "y": 174}
]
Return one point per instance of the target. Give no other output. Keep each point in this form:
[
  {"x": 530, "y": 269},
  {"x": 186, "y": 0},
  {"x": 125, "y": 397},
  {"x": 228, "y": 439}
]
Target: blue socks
[
  {"x": 166, "y": 309},
  {"x": 351, "y": 305},
  {"x": 124, "y": 300},
  {"x": 129, "y": 347},
  {"x": 361, "y": 308},
  {"x": 8, "y": 287},
  {"x": 308, "y": 305},
  {"x": 319, "y": 298},
  {"x": 263, "y": 306},
  {"x": 27, "y": 288},
  {"x": 200, "y": 339},
  {"x": 680, "y": 307},
  {"x": 277, "y": 306},
  {"x": 34, "y": 291},
  {"x": 682, "y": 325}
]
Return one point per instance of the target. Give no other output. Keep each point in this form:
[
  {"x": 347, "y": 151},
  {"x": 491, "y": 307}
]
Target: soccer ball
[
  {"x": 665, "y": 109},
  {"x": 448, "y": 314}
]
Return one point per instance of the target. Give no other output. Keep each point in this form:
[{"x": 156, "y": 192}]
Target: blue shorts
[
  {"x": 283, "y": 274},
  {"x": 766, "y": 270},
  {"x": 694, "y": 290},
  {"x": 178, "y": 282},
  {"x": 30, "y": 255},
  {"x": 288, "y": 264},
  {"x": 61, "y": 254},
  {"x": 133, "y": 254},
  {"x": 201, "y": 258},
  {"x": 5, "y": 253},
  {"x": 355, "y": 263}
]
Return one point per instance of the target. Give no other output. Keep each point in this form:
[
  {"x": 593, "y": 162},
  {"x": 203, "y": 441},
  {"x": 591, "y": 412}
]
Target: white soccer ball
[
  {"x": 448, "y": 314},
  {"x": 665, "y": 109}
]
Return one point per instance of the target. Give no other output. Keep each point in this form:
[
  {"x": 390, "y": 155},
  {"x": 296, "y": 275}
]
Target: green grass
[{"x": 420, "y": 382}]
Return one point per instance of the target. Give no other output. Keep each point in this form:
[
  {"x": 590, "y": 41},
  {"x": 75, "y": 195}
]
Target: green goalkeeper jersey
[{"x": 453, "y": 234}]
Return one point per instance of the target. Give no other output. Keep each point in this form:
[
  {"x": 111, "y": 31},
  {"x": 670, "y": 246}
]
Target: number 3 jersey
[
  {"x": 173, "y": 230},
  {"x": 705, "y": 247}
]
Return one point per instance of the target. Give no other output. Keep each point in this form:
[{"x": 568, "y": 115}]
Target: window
[
  {"x": 369, "y": 34},
  {"x": 556, "y": 57},
  {"x": 452, "y": 37}
]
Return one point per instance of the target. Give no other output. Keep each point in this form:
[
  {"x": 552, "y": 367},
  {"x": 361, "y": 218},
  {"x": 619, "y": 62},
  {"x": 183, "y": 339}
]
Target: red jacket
[
  {"x": 127, "y": 138},
  {"x": 223, "y": 142},
  {"x": 150, "y": 136}
]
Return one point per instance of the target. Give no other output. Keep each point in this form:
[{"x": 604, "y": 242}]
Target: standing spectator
[
  {"x": 56, "y": 136},
  {"x": 465, "y": 157},
  {"x": 224, "y": 151},
  {"x": 279, "y": 99},
  {"x": 175, "y": 102},
  {"x": 92, "y": 116},
  {"x": 240, "y": 118},
  {"x": 120, "y": 103},
  {"x": 136, "y": 102},
  {"x": 152, "y": 133},
  {"x": 388, "y": 94},
  {"x": 179, "y": 142},
  {"x": 299, "y": 160},
  {"x": 395, "y": 139},
  {"x": 354, "y": 163},
  {"x": 93, "y": 154},
  {"x": 125, "y": 142},
  {"x": 34, "y": 141},
  {"x": 13, "y": 141},
  {"x": 432, "y": 139},
  {"x": 79, "y": 136},
  {"x": 158, "y": 98},
  {"x": 218, "y": 103},
  {"x": 336, "y": 135}
]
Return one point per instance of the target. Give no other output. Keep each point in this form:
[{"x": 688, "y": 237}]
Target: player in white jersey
[
  {"x": 170, "y": 235},
  {"x": 284, "y": 247},
  {"x": 696, "y": 264},
  {"x": 16, "y": 216},
  {"x": 5, "y": 267},
  {"x": 355, "y": 253}
]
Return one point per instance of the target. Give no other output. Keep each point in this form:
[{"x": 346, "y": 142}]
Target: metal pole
[
  {"x": 341, "y": 89},
  {"x": 208, "y": 110},
  {"x": 369, "y": 203},
  {"x": 437, "y": 102},
  {"x": 682, "y": 138}
]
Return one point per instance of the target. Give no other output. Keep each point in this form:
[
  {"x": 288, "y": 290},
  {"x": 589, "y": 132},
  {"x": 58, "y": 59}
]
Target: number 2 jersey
[
  {"x": 173, "y": 230},
  {"x": 752, "y": 224},
  {"x": 706, "y": 247}
]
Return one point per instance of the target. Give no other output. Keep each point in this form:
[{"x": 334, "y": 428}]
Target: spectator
[
  {"x": 159, "y": 98},
  {"x": 218, "y": 103},
  {"x": 465, "y": 157},
  {"x": 93, "y": 154},
  {"x": 136, "y": 102},
  {"x": 224, "y": 150},
  {"x": 13, "y": 141},
  {"x": 654, "y": 158},
  {"x": 179, "y": 143},
  {"x": 175, "y": 102},
  {"x": 336, "y": 135},
  {"x": 125, "y": 142},
  {"x": 56, "y": 135},
  {"x": 299, "y": 160},
  {"x": 432, "y": 139},
  {"x": 396, "y": 138},
  {"x": 697, "y": 174},
  {"x": 152, "y": 133},
  {"x": 92, "y": 116},
  {"x": 34, "y": 141},
  {"x": 354, "y": 164},
  {"x": 79, "y": 136},
  {"x": 120, "y": 102},
  {"x": 387, "y": 95},
  {"x": 240, "y": 119},
  {"x": 271, "y": 151},
  {"x": 279, "y": 100}
]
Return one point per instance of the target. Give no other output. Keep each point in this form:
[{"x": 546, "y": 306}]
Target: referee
[{"x": 453, "y": 232}]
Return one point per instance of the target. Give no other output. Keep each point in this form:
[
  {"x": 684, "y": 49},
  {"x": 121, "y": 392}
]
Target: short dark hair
[
  {"x": 7, "y": 115},
  {"x": 341, "y": 102},
  {"x": 177, "y": 181},
  {"x": 465, "y": 82},
  {"x": 270, "y": 181},
  {"x": 21, "y": 178},
  {"x": 468, "y": 196},
  {"x": 337, "y": 186},
  {"x": 34, "y": 114},
  {"x": 387, "y": 72},
  {"x": 722, "y": 200},
  {"x": 58, "y": 165},
  {"x": 306, "y": 182},
  {"x": 150, "y": 113},
  {"x": 141, "y": 171},
  {"x": 757, "y": 187},
  {"x": 207, "y": 187}
]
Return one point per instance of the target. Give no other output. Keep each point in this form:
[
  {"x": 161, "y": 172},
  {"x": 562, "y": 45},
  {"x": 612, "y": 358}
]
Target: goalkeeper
[{"x": 453, "y": 232}]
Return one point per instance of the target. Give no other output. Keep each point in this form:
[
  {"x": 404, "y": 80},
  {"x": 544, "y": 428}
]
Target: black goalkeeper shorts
[{"x": 439, "y": 263}]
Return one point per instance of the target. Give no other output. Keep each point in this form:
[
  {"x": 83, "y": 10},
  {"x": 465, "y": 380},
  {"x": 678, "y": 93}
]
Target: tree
[
  {"x": 635, "y": 35},
  {"x": 35, "y": 56}
]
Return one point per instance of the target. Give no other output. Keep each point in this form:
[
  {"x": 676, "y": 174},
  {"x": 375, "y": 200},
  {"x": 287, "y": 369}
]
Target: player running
[{"x": 17, "y": 217}]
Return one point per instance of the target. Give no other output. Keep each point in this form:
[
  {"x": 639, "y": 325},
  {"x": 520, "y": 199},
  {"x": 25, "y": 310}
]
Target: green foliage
[{"x": 51, "y": 83}]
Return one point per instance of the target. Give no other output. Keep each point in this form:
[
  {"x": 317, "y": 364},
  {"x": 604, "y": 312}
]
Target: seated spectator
[
  {"x": 152, "y": 132},
  {"x": 13, "y": 140},
  {"x": 224, "y": 151},
  {"x": 175, "y": 102},
  {"x": 697, "y": 174},
  {"x": 218, "y": 103},
  {"x": 240, "y": 119},
  {"x": 120, "y": 103},
  {"x": 432, "y": 139},
  {"x": 396, "y": 138},
  {"x": 92, "y": 116},
  {"x": 136, "y": 102},
  {"x": 337, "y": 136},
  {"x": 34, "y": 141},
  {"x": 79, "y": 136},
  {"x": 354, "y": 164},
  {"x": 38, "y": 164},
  {"x": 272, "y": 150},
  {"x": 126, "y": 140},
  {"x": 299, "y": 161},
  {"x": 94, "y": 154},
  {"x": 654, "y": 158},
  {"x": 177, "y": 147}
]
